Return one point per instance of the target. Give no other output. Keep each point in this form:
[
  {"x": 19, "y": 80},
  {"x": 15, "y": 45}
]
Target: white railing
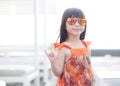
[
  {"x": 19, "y": 54},
  {"x": 21, "y": 63},
  {"x": 106, "y": 67},
  {"x": 22, "y": 55}
]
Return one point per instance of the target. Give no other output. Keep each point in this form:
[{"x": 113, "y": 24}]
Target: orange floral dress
[{"x": 77, "y": 70}]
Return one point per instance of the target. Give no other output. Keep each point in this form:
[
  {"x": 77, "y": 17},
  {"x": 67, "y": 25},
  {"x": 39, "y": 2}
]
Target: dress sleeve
[
  {"x": 61, "y": 45},
  {"x": 87, "y": 43}
]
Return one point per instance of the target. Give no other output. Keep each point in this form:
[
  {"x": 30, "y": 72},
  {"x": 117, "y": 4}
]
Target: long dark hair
[{"x": 70, "y": 12}]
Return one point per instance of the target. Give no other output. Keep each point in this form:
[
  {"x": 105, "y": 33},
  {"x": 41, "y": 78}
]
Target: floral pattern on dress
[{"x": 77, "y": 70}]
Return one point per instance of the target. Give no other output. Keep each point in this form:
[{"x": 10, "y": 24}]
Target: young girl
[{"x": 70, "y": 59}]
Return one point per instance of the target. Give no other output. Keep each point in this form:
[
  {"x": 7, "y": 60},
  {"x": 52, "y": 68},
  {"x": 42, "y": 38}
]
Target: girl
[{"x": 70, "y": 59}]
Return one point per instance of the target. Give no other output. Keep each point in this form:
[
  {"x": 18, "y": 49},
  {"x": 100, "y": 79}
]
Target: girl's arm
[
  {"x": 57, "y": 58},
  {"x": 58, "y": 63}
]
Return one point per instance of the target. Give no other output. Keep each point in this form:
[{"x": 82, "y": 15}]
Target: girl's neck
[
  {"x": 73, "y": 40},
  {"x": 75, "y": 43}
]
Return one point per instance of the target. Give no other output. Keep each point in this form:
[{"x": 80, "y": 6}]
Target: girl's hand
[{"x": 51, "y": 53}]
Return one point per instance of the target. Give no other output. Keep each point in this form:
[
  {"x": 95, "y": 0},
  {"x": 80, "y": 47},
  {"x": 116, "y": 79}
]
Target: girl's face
[{"x": 75, "y": 26}]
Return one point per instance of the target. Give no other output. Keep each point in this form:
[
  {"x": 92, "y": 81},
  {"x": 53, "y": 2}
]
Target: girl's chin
[{"x": 77, "y": 33}]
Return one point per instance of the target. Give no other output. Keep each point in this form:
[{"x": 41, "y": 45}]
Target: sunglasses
[{"x": 72, "y": 21}]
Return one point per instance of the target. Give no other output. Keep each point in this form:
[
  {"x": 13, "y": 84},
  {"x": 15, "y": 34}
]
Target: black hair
[{"x": 70, "y": 12}]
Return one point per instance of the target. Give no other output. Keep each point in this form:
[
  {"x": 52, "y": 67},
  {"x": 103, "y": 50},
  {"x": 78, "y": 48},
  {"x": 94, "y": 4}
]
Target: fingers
[
  {"x": 53, "y": 47},
  {"x": 49, "y": 55},
  {"x": 51, "y": 52},
  {"x": 46, "y": 53}
]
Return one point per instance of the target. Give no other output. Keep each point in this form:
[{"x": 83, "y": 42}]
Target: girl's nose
[{"x": 77, "y": 23}]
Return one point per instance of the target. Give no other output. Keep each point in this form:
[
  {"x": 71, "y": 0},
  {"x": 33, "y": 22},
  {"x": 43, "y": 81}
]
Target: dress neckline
[
  {"x": 64, "y": 44},
  {"x": 82, "y": 48}
]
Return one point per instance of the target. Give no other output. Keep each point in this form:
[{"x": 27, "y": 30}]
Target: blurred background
[{"x": 27, "y": 27}]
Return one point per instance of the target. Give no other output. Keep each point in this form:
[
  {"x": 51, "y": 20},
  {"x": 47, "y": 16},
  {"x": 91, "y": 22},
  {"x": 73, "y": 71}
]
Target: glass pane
[
  {"x": 17, "y": 22},
  {"x": 102, "y": 21}
]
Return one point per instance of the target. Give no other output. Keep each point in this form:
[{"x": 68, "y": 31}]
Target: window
[{"x": 17, "y": 21}]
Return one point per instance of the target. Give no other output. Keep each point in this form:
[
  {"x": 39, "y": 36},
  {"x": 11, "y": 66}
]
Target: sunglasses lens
[
  {"x": 71, "y": 21},
  {"x": 82, "y": 21}
]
